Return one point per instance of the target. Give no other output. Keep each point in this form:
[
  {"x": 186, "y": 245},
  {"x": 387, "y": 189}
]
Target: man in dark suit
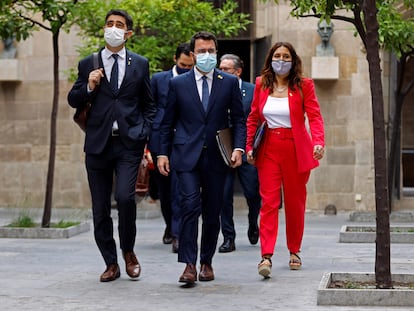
[
  {"x": 167, "y": 185},
  {"x": 247, "y": 173},
  {"x": 200, "y": 103},
  {"x": 117, "y": 129}
]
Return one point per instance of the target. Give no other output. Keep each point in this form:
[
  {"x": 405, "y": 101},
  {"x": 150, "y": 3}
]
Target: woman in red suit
[{"x": 287, "y": 153}]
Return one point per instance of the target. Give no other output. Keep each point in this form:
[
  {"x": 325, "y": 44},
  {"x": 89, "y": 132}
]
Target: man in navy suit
[
  {"x": 167, "y": 185},
  {"x": 117, "y": 130},
  {"x": 247, "y": 173},
  {"x": 200, "y": 102}
]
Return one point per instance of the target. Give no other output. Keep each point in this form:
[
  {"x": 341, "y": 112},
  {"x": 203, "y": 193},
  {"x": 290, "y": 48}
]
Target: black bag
[{"x": 81, "y": 114}]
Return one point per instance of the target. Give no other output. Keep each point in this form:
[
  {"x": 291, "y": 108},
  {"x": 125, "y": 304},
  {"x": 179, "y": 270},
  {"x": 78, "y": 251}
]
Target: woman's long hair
[{"x": 295, "y": 74}]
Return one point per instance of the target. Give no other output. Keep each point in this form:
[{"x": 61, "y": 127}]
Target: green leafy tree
[
  {"x": 19, "y": 19},
  {"x": 379, "y": 25},
  {"x": 160, "y": 25}
]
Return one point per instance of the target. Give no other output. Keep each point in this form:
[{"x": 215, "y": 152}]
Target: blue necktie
[
  {"x": 114, "y": 74},
  {"x": 205, "y": 93}
]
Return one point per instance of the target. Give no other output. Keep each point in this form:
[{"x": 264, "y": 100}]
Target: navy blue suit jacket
[
  {"x": 159, "y": 87},
  {"x": 247, "y": 90},
  {"x": 187, "y": 129},
  {"x": 133, "y": 106}
]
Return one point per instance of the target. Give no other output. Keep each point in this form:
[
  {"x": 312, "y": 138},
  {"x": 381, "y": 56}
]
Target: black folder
[{"x": 225, "y": 143}]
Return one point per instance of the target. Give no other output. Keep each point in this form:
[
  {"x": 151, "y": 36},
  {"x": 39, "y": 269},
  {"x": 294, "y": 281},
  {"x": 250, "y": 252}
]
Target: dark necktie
[
  {"x": 205, "y": 93},
  {"x": 114, "y": 74}
]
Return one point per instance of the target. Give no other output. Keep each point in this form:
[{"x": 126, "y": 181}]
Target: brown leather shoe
[
  {"x": 189, "y": 275},
  {"x": 206, "y": 273},
  {"x": 175, "y": 245},
  {"x": 132, "y": 266},
  {"x": 111, "y": 273}
]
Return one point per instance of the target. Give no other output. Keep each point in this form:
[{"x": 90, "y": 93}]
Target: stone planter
[
  {"x": 399, "y": 296},
  {"x": 367, "y": 234},
  {"x": 44, "y": 233}
]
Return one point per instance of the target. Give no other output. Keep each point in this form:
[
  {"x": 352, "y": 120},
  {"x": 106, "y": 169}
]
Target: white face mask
[{"x": 114, "y": 36}]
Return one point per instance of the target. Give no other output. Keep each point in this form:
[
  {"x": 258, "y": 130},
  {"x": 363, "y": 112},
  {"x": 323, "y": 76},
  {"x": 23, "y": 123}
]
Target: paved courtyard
[{"x": 63, "y": 274}]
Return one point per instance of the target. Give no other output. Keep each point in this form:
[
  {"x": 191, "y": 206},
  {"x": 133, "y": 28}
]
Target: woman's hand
[
  {"x": 250, "y": 159},
  {"x": 318, "y": 152}
]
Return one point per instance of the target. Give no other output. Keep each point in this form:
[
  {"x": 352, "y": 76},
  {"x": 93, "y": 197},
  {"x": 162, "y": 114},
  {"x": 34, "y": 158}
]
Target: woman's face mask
[{"x": 281, "y": 67}]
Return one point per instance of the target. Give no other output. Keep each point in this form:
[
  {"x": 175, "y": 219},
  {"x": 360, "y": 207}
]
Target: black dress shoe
[
  {"x": 167, "y": 237},
  {"x": 189, "y": 275},
  {"x": 227, "y": 246},
  {"x": 253, "y": 234}
]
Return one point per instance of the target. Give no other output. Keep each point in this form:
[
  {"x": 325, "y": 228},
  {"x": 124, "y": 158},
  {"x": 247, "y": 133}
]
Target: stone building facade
[{"x": 345, "y": 177}]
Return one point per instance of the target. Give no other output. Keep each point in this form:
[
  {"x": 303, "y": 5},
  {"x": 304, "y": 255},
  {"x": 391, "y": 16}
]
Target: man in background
[
  {"x": 247, "y": 173},
  {"x": 167, "y": 185}
]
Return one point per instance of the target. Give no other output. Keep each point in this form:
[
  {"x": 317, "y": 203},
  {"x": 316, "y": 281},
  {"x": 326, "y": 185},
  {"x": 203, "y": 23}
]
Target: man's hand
[
  {"x": 163, "y": 165},
  {"x": 236, "y": 158},
  {"x": 95, "y": 77}
]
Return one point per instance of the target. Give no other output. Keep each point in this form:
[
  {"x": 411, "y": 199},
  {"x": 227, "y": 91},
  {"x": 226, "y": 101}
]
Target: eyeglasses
[{"x": 117, "y": 24}]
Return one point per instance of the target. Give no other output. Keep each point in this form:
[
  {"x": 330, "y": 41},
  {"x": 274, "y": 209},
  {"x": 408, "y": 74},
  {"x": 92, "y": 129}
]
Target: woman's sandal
[
  {"x": 265, "y": 267},
  {"x": 295, "y": 263}
]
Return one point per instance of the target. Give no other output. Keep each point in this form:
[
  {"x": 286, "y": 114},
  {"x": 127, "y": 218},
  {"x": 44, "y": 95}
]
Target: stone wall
[{"x": 345, "y": 177}]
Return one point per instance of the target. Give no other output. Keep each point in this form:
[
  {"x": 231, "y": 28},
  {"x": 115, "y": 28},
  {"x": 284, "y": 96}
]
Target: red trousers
[{"x": 279, "y": 167}]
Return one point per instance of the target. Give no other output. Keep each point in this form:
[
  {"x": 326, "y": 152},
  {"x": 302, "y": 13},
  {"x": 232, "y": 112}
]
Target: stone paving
[{"x": 63, "y": 274}]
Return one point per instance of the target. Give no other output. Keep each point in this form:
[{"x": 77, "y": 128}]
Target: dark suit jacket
[
  {"x": 133, "y": 106},
  {"x": 187, "y": 129},
  {"x": 159, "y": 88},
  {"x": 247, "y": 90}
]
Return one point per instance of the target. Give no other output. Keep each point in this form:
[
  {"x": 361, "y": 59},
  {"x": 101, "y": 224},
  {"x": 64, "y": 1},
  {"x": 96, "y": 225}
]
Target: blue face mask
[
  {"x": 206, "y": 62},
  {"x": 280, "y": 67},
  {"x": 181, "y": 70}
]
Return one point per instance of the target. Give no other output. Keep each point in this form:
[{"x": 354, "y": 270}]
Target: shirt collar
[
  {"x": 199, "y": 75},
  {"x": 107, "y": 54},
  {"x": 174, "y": 71}
]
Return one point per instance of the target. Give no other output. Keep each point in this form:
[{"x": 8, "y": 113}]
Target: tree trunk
[
  {"x": 47, "y": 211},
  {"x": 382, "y": 260}
]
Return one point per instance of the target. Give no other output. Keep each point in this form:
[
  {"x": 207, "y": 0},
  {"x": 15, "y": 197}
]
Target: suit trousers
[
  {"x": 201, "y": 193},
  {"x": 250, "y": 185},
  {"x": 116, "y": 160},
  {"x": 169, "y": 201},
  {"x": 278, "y": 166}
]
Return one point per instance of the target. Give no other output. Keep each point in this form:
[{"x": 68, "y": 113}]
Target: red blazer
[{"x": 304, "y": 141}]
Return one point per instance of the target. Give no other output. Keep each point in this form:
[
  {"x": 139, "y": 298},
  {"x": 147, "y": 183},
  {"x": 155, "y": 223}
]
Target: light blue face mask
[
  {"x": 280, "y": 67},
  {"x": 206, "y": 62}
]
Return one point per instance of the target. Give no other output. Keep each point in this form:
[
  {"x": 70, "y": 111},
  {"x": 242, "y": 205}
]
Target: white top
[{"x": 276, "y": 112}]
